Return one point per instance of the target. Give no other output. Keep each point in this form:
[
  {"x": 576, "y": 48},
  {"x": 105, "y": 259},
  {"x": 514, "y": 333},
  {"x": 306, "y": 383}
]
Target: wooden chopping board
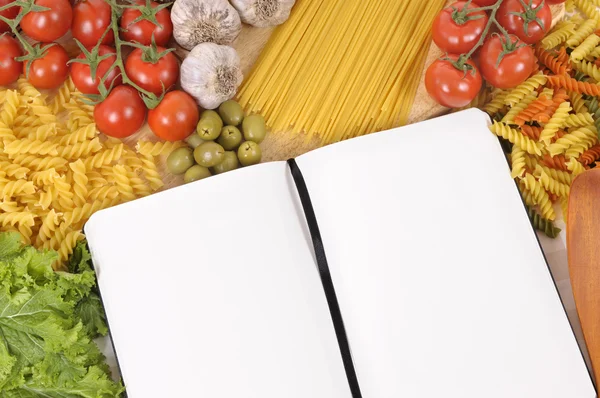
[{"x": 281, "y": 146}]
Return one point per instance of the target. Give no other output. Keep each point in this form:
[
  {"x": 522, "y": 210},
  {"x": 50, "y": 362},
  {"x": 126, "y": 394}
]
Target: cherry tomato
[
  {"x": 49, "y": 25},
  {"x": 514, "y": 67},
  {"x": 450, "y": 86},
  {"x": 91, "y": 18},
  {"x": 121, "y": 114},
  {"x": 152, "y": 76},
  {"x": 82, "y": 76},
  {"x": 532, "y": 23},
  {"x": 9, "y": 13},
  {"x": 454, "y": 32},
  {"x": 485, "y": 3},
  {"x": 142, "y": 31},
  {"x": 51, "y": 70},
  {"x": 175, "y": 118},
  {"x": 10, "y": 70}
]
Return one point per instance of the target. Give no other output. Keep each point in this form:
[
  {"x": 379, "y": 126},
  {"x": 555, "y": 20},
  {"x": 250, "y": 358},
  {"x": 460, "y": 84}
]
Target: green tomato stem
[
  {"x": 150, "y": 98},
  {"x": 15, "y": 22},
  {"x": 492, "y": 20}
]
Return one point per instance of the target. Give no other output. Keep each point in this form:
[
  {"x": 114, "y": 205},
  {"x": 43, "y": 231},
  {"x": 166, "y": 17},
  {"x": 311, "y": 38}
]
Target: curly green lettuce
[{"x": 47, "y": 322}]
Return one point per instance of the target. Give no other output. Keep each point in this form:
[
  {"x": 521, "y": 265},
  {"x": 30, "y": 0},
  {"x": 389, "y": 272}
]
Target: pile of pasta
[
  {"x": 552, "y": 119},
  {"x": 56, "y": 170},
  {"x": 342, "y": 68}
]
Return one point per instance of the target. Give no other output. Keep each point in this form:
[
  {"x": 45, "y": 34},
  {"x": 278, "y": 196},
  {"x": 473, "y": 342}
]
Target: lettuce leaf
[{"x": 47, "y": 322}]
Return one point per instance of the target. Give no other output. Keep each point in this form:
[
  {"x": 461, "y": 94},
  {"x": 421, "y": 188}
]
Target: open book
[{"x": 212, "y": 290}]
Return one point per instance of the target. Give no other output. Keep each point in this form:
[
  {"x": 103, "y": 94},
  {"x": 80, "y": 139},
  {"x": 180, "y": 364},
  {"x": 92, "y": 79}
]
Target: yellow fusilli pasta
[
  {"x": 578, "y": 120},
  {"x": 559, "y": 36},
  {"x": 67, "y": 244},
  {"x": 556, "y": 121},
  {"x": 157, "y": 148},
  {"x": 47, "y": 228},
  {"x": 575, "y": 167},
  {"x": 586, "y": 29},
  {"x": 33, "y": 147},
  {"x": 516, "y": 137},
  {"x": 104, "y": 157},
  {"x": 44, "y": 177},
  {"x": 583, "y": 136},
  {"x": 509, "y": 118},
  {"x": 80, "y": 149},
  {"x": 577, "y": 102},
  {"x": 16, "y": 187},
  {"x": 589, "y": 69},
  {"x": 539, "y": 195},
  {"x": 585, "y": 48},
  {"x": 497, "y": 102},
  {"x": 80, "y": 182},
  {"x": 122, "y": 182},
  {"x": 517, "y": 159},
  {"x": 56, "y": 171},
  {"x": 522, "y": 90},
  {"x": 550, "y": 184},
  {"x": 151, "y": 172},
  {"x": 82, "y": 134},
  {"x": 63, "y": 95},
  {"x": 590, "y": 11}
]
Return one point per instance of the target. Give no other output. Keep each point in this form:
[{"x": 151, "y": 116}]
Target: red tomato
[
  {"x": 142, "y": 31},
  {"x": 450, "y": 86},
  {"x": 152, "y": 76},
  {"x": 10, "y": 70},
  {"x": 51, "y": 70},
  {"x": 121, "y": 114},
  {"x": 514, "y": 67},
  {"x": 485, "y": 3},
  {"x": 531, "y": 25},
  {"x": 555, "y": 1},
  {"x": 175, "y": 118},
  {"x": 9, "y": 13},
  {"x": 91, "y": 18},
  {"x": 49, "y": 25},
  {"x": 82, "y": 76},
  {"x": 453, "y": 32}
]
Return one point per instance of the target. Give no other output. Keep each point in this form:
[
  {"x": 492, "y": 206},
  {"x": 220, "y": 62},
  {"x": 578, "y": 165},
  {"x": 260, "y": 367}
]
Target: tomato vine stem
[
  {"x": 150, "y": 99},
  {"x": 461, "y": 63},
  {"x": 36, "y": 51}
]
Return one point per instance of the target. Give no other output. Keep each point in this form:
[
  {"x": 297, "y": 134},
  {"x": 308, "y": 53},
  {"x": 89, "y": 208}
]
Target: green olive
[
  {"x": 254, "y": 128},
  {"x": 209, "y": 128},
  {"x": 231, "y": 112},
  {"x": 180, "y": 160},
  {"x": 230, "y": 137},
  {"x": 194, "y": 140},
  {"x": 249, "y": 153},
  {"x": 209, "y": 113},
  {"x": 196, "y": 173},
  {"x": 209, "y": 154},
  {"x": 229, "y": 163}
]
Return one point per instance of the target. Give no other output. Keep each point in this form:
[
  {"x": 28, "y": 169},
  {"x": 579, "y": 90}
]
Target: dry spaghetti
[{"x": 342, "y": 68}]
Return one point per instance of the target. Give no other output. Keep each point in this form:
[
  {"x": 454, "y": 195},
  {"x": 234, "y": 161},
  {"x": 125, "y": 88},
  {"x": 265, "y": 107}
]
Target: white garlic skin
[
  {"x": 263, "y": 13},
  {"x": 200, "y": 21},
  {"x": 211, "y": 74}
]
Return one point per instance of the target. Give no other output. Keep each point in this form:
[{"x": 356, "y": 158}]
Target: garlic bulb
[
  {"x": 201, "y": 21},
  {"x": 211, "y": 74},
  {"x": 263, "y": 13}
]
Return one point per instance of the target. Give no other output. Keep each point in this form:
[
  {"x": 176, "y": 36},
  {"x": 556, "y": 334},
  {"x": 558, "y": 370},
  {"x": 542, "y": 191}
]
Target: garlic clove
[
  {"x": 201, "y": 21},
  {"x": 263, "y": 13},
  {"x": 211, "y": 74}
]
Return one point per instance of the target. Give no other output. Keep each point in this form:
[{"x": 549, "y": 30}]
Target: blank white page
[
  {"x": 442, "y": 285},
  {"x": 210, "y": 290}
]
